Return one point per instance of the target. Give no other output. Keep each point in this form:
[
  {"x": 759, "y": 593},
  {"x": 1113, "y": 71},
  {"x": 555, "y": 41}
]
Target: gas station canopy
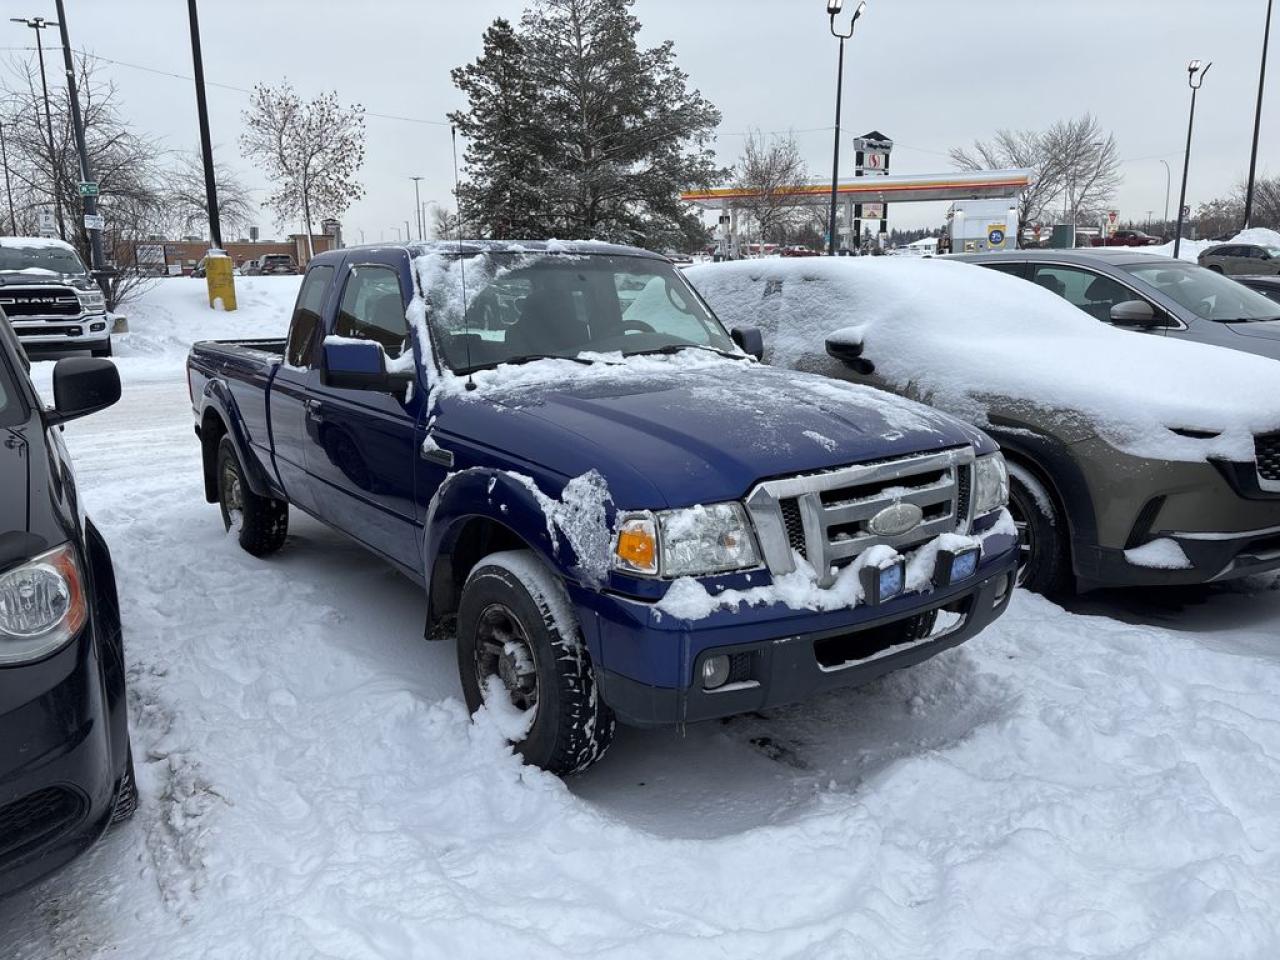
[{"x": 976, "y": 185}]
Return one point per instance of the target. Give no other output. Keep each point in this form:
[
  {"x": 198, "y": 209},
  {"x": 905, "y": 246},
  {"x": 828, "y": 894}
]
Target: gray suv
[
  {"x": 1234, "y": 259},
  {"x": 1149, "y": 293}
]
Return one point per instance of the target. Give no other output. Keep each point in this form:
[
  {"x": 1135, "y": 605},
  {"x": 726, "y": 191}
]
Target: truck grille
[
  {"x": 826, "y": 518},
  {"x": 1267, "y": 450},
  {"x": 39, "y": 302}
]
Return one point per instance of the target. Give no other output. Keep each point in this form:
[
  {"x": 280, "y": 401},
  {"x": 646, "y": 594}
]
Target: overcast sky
[{"x": 929, "y": 73}]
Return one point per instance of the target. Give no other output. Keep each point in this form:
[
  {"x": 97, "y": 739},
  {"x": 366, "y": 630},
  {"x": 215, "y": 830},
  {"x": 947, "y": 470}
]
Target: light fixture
[
  {"x": 952, "y": 566},
  {"x": 834, "y": 6},
  {"x": 881, "y": 583},
  {"x": 715, "y": 671}
]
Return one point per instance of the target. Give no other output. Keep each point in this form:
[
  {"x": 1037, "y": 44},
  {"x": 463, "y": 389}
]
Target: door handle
[
  {"x": 315, "y": 410},
  {"x": 442, "y": 457}
]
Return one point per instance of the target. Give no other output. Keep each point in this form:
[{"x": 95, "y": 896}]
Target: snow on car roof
[
  {"x": 30, "y": 243},
  {"x": 958, "y": 335}
]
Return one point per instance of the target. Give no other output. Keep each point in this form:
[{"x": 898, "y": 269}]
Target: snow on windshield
[
  {"x": 36, "y": 256},
  {"x": 960, "y": 336}
]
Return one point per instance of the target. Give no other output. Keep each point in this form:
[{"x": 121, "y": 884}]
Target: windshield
[
  {"x": 1209, "y": 295},
  {"x": 51, "y": 259},
  {"x": 522, "y": 307}
]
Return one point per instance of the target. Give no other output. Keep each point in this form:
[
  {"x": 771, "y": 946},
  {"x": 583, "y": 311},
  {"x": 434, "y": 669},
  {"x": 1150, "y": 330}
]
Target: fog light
[
  {"x": 97, "y": 327},
  {"x": 883, "y": 583},
  {"x": 953, "y": 566},
  {"x": 715, "y": 672}
]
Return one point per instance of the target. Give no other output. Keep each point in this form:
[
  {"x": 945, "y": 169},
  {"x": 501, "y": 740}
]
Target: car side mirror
[
  {"x": 849, "y": 352},
  {"x": 350, "y": 364},
  {"x": 1134, "y": 313},
  {"x": 81, "y": 386},
  {"x": 749, "y": 340}
]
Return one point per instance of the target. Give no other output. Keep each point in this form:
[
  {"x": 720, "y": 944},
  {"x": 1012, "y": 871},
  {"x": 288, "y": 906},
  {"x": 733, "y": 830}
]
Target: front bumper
[
  {"x": 1213, "y": 557},
  {"x": 647, "y": 663},
  {"x": 57, "y": 776},
  {"x": 63, "y": 333}
]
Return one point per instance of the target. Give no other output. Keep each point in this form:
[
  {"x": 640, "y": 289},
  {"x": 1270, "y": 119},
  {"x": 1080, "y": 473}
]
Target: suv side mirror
[
  {"x": 849, "y": 352},
  {"x": 749, "y": 340},
  {"x": 1134, "y": 313},
  {"x": 350, "y": 364},
  {"x": 81, "y": 386}
]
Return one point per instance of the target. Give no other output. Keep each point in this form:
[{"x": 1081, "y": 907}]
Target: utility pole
[
  {"x": 1257, "y": 122},
  {"x": 88, "y": 189},
  {"x": 39, "y": 24},
  {"x": 8, "y": 184},
  {"x": 206, "y": 145}
]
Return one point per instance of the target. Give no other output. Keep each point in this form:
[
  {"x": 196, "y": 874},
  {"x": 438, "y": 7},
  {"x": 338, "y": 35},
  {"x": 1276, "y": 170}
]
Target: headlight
[
  {"x": 991, "y": 484},
  {"x": 91, "y": 301},
  {"x": 42, "y": 606},
  {"x": 695, "y": 541}
]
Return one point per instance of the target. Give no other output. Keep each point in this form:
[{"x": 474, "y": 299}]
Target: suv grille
[
  {"x": 36, "y": 818},
  {"x": 826, "y": 518},
  {"x": 1267, "y": 449},
  {"x": 39, "y": 302}
]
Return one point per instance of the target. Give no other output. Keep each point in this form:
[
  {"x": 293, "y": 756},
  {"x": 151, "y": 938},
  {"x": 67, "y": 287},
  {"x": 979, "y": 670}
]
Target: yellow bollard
[{"x": 221, "y": 281}]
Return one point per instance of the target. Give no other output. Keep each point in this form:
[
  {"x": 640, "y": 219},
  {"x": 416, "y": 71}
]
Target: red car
[{"x": 1128, "y": 238}]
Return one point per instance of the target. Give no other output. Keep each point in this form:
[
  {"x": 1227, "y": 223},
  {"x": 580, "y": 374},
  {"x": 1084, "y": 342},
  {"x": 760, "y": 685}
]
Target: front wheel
[
  {"x": 1215, "y": 268},
  {"x": 261, "y": 523},
  {"x": 1044, "y": 562},
  {"x": 126, "y": 802},
  {"x": 103, "y": 351},
  {"x": 517, "y": 641}
]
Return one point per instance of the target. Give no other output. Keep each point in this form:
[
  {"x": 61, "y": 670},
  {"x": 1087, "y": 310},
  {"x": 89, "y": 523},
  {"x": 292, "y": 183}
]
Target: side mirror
[
  {"x": 849, "y": 352},
  {"x": 749, "y": 340},
  {"x": 1134, "y": 313},
  {"x": 81, "y": 386},
  {"x": 350, "y": 364}
]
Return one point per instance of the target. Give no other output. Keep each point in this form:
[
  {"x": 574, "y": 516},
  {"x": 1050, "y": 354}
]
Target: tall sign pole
[
  {"x": 1257, "y": 122},
  {"x": 88, "y": 188},
  {"x": 39, "y": 24}
]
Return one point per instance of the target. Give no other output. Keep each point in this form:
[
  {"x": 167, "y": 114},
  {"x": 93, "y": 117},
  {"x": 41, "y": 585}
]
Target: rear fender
[{"x": 218, "y": 401}]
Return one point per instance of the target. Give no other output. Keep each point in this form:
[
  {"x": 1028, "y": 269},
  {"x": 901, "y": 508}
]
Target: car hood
[
  {"x": 1259, "y": 330},
  {"x": 675, "y": 431}
]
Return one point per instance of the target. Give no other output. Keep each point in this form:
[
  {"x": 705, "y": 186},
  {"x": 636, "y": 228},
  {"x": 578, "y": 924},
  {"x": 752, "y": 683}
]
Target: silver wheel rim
[{"x": 503, "y": 650}]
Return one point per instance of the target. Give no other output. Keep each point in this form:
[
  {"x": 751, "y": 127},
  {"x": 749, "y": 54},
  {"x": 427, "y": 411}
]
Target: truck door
[
  {"x": 288, "y": 397},
  {"x": 360, "y": 448}
]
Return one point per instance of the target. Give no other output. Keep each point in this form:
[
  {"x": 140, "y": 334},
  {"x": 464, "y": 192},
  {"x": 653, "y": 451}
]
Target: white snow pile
[
  {"x": 967, "y": 339},
  {"x": 1191, "y": 249}
]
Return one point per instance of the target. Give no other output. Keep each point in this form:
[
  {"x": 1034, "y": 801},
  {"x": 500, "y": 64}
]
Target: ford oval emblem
[{"x": 896, "y": 520}]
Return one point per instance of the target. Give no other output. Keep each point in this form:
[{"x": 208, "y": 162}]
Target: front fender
[{"x": 218, "y": 400}]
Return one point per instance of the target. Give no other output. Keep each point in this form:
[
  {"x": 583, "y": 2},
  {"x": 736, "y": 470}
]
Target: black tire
[
  {"x": 102, "y": 351},
  {"x": 262, "y": 523},
  {"x": 126, "y": 803},
  {"x": 1215, "y": 268},
  {"x": 512, "y": 595},
  {"x": 1044, "y": 564}
]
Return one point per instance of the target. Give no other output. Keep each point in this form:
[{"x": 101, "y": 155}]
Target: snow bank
[
  {"x": 1191, "y": 249},
  {"x": 958, "y": 336}
]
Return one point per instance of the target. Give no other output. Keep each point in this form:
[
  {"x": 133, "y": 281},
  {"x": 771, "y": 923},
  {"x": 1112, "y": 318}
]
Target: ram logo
[{"x": 896, "y": 520}]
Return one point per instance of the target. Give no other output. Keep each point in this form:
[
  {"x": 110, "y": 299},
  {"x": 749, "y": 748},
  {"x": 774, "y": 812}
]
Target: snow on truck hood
[
  {"x": 962, "y": 334},
  {"x": 689, "y": 428}
]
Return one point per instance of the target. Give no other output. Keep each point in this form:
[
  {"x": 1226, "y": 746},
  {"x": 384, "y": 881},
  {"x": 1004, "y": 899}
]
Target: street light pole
[
  {"x": 1257, "y": 121},
  {"x": 417, "y": 206},
  {"x": 833, "y": 10},
  {"x": 1195, "y": 79},
  {"x": 206, "y": 144},
  {"x": 86, "y": 169},
  {"x": 1168, "y": 181},
  {"x": 39, "y": 24}
]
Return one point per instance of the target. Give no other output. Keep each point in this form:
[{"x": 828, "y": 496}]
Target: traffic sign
[
  {"x": 1186, "y": 212},
  {"x": 1113, "y": 215},
  {"x": 88, "y": 188},
  {"x": 93, "y": 221}
]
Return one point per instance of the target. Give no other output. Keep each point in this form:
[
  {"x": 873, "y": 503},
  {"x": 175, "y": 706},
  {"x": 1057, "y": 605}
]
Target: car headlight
[
  {"x": 42, "y": 606},
  {"x": 91, "y": 301},
  {"x": 991, "y": 484},
  {"x": 694, "y": 541}
]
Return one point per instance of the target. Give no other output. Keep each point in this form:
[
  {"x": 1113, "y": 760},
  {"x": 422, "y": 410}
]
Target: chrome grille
[
  {"x": 825, "y": 517},
  {"x": 39, "y": 302},
  {"x": 1267, "y": 450}
]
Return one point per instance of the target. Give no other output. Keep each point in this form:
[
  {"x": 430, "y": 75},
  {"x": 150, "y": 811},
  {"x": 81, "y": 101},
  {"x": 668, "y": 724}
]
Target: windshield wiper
[
  {"x": 677, "y": 347},
  {"x": 522, "y": 359},
  {"x": 1250, "y": 320}
]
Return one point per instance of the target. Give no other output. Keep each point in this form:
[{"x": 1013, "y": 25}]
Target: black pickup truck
[{"x": 65, "y": 766}]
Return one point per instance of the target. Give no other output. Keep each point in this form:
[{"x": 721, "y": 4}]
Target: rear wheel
[
  {"x": 1044, "y": 563},
  {"x": 261, "y": 523},
  {"x": 516, "y": 641}
]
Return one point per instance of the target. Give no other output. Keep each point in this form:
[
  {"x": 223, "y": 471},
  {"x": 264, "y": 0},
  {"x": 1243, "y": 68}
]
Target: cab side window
[
  {"x": 1093, "y": 293},
  {"x": 373, "y": 309},
  {"x": 306, "y": 325}
]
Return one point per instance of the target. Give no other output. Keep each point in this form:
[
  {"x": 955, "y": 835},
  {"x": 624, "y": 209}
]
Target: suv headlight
[
  {"x": 42, "y": 606},
  {"x": 990, "y": 484},
  {"x": 91, "y": 301},
  {"x": 695, "y": 541}
]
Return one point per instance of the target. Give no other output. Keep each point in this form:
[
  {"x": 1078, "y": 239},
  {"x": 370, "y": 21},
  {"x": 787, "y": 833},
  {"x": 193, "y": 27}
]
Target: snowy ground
[{"x": 1095, "y": 783}]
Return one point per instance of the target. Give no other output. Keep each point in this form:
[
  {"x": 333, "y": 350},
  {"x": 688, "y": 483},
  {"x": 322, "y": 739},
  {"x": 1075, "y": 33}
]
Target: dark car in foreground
[
  {"x": 1149, "y": 293},
  {"x": 1236, "y": 259},
  {"x": 615, "y": 508},
  {"x": 65, "y": 767}
]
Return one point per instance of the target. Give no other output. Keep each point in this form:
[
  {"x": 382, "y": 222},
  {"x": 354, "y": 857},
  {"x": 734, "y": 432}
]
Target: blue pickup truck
[{"x": 619, "y": 512}]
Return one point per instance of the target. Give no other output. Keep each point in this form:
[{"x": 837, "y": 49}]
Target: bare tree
[
  {"x": 1018, "y": 149},
  {"x": 1090, "y": 161},
  {"x": 312, "y": 151},
  {"x": 772, "y": 170},
  {"x": 125, "y": 164},
  {"x": 187, "y": 203}
]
